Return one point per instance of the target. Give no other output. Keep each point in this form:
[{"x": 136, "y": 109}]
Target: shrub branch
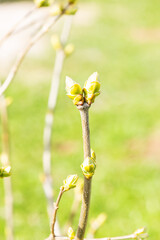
[
  {"x": 49, "y": 119},
  {"x": 5, "y": 158},
  {"x": 45, "y": 28},
  {"x": 84, "y": 112}
]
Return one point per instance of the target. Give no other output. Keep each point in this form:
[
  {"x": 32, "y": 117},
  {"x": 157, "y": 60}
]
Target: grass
[{"x": 124, "y": 124}]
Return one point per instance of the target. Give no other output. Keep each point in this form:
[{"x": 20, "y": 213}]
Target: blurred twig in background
[
  {"x": 44, "y": 29},
  {"x": 5, "y": 159},
  {"x": 13, "y": 29},
  {"x": 96, "y": 224},
  {"x": 60, "y": 55}
]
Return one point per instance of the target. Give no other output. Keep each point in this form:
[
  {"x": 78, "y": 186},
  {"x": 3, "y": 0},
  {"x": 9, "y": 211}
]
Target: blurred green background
[{"x": 122, "y": 43}]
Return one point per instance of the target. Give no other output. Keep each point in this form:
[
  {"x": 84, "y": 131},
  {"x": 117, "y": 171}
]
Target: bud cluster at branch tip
[
  {"x": 71, "y": 233},
  {"x": 69, "y": 182},
  {"x": 59, "y": 8},
  {"x": 87, "y": 94},
  {"x": 5, "y": 172},
  {"x": 89, "y": 165},
  {"x": 74, "y": 91},
  {"x": 91, "y": 88}
]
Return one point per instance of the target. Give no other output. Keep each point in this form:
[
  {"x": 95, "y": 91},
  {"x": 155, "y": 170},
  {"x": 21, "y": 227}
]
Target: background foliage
[{"x": 122, "y": 43}]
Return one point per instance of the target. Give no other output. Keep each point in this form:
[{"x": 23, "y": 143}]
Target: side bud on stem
[
  {"x": 5, "y": 172},
  {"x": 88, "y": 167},
  {"x": 55, "y": 41},
  {"x": 87, "y": 94},
  {"x": 71, "y": 233}
]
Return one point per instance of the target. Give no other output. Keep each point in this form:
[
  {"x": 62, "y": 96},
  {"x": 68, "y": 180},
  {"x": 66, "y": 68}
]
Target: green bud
[
  {"x": 91, "y": 88},
  {"x": 93, "y": 155},
  {"x": 42, "y": 3},
  {"x": 55, "y": 41},
  {"x": 71, "y": 233},
  {"x": 74, "y": 91},
  {"x": 5, "y": 172},
  {"x": 69, "y": 49},
  {"x": 78, "y": 100},
  {"x": 88, "y": 167},
  {"x": 70, "y": 182}
]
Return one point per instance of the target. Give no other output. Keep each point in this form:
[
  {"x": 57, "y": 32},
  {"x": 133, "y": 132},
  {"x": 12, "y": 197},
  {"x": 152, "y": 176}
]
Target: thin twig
[
  {"x": 87, "y": 182},
  {"x": 6, "y": 162},
  {"x": 59, "y": 59},
  {"x": 11, "y": 31},
  {"x": 38, "y": 22},
  {"x": 55, "y": 211},
  {"x": 131, "y": 236},
  {"x": 46, "y": 27}
]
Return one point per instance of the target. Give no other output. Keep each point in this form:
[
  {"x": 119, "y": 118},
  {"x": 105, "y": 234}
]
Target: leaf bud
[
  {"x": 69, "y": 49},
  {"x": 42, "y": 3},
  {"x": 88, "y": 167},
  {"x": 55, "y": 41},
  {"x": 5, "y": 171},
  {"x": 70, "y": 182},
  {"x": 91, "y": 88},
  {"x": 93, "y": 155},
  {"x": 71, "y": 233},
  {"x": 74, "y": 91}
]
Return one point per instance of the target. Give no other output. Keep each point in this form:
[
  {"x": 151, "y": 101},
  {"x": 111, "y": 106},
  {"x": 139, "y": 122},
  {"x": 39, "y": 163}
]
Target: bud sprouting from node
[
  {"x": 69, "y": 49},
  {"x": 71, "y": 233},
  {"x": 5, "y": 171},
  {"x": 91, "y": 88},
  {"x": 93, "y": 155},
  {"x": 55, "y": 41},
  {"x": 70, "y": 182},
  {"x": 88, "y": 167},
  {"x": 74, "y": 91}
]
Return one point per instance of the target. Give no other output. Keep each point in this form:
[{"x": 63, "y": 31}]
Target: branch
[
  {"x": 38, "y": 22},
  {"x": 46, "y": 27},
  {"x": 87, "y": 182},
  {"x": 47, "y": 183},
  {"x": 11, "y": 31},
  {"x": 6, "y": 162},
  {"x": 55, "y": 211},
  {"x": 131, "y": 236}
]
